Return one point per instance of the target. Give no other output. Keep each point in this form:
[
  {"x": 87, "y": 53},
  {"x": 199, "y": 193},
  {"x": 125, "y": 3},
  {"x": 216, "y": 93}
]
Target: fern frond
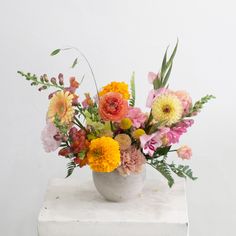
[
  {"x": 164, "y": 169},
  {"x": 132, "y": 87},
  {"x": 70, "y": 168},
  {"x": 182, "y": 171}
]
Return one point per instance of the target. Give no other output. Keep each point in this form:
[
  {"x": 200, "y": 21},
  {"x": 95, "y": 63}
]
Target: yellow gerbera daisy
[
  {"x": 103, "y": 154},
  {"x": 168, "y": 108},
  {"x": 61, "y": 105},
  {"x": 117, "y": 87}
]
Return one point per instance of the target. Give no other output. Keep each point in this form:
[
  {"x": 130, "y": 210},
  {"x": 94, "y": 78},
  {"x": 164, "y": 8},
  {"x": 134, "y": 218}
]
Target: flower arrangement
[{"x": 108, "y": 132}]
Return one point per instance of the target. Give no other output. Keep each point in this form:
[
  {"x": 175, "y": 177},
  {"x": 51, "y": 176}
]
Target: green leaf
[
  {"x": 70, "y": 168},
  {"x": 75, "y": 62},
  {"x": 163, "y": 65},
  {"x": 133, "y": 93},
  {"x": 162, "y": 151},
  {"x": 81, "y": 155},
  {"x": 165, "y": 80},
  {"x": 199, "y": 104},
  {"x": 170, "y": 61},
  {"x": 164, "y": 169},
  {"x": 55, "y": 52},
  {"x": 156, "y": 126},
  {"x": 182, "y": 171}
]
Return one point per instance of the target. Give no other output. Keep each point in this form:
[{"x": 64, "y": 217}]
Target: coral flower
[
  {"x": 167, "y": 108},
  {"x": 132, "y": 161},
  {"x": 117, "y": 87},
  {"x": 112, "y": 107},
  {"x": 61, "y": 105},
  {"x": 103, "y": 154}
]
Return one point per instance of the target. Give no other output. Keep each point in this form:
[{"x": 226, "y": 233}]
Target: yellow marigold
[
  {"x": 125, "y": 123},
  {"x": 124, "y": 141},
  {"x": 138, "y": 133},
  {"x": 61, "y": 105},
  {"x": 117, "y": 87},
  {"x": 167, "y": 108},
  {"x": 103, "y": 154}
]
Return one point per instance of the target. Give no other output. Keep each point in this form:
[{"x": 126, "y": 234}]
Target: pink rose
[
  {"x": 184, "y": 152},
  {"x": 136, "y": 116},
  {"x": 185, "y": 99}
]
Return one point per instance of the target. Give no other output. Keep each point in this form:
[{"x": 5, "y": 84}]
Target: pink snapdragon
[
  {"x": 136, "y": 116},
  {"x": 153, "y": 94},
  {"x": 184, "y": 152},
  {"x": 150, "y": 143},
  {"x": 186, "y": 100},
  {"x": 49, "y": 137},
  {"x": 175, "y": 132}
]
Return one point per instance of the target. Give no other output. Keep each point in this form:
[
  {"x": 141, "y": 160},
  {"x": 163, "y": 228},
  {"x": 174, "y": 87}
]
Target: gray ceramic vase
[{"x": 115, "y": 187}]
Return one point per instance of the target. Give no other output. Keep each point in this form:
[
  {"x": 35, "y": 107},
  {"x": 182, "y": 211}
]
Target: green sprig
[
  {"x": 166, "y": 67},
  {"x": 42, "y": 81},
  {"x": 132, "y": 87},
  {"x": 199, "y": 105},
  {"x": 70, "y": 168},
  {"x": 63, "y": 128}
]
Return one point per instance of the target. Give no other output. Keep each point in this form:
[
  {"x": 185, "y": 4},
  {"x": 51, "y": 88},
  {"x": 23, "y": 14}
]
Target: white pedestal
[{"x": 72, "y": 208}]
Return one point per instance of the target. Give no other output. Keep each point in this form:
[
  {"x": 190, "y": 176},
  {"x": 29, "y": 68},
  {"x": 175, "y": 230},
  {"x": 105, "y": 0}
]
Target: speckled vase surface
[{"x": 115, "y": 187}]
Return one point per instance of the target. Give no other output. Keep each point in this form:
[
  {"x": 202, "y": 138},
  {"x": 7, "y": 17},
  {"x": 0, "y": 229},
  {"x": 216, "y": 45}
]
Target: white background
[{"x": 118, "y": 37}]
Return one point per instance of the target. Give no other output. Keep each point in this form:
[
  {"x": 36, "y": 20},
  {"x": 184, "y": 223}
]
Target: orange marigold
[
  {"x": 118, "y": 87},
  {"x": 103, "y": 154}
]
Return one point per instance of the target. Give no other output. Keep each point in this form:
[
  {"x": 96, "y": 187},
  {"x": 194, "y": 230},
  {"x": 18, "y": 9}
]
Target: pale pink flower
[
  {"x": 175, "y": 132},
  {"x": 185, "y": 99},
  {"x": 153, "y": 94},
  {"x": 152, "y": 76},
  {"x": 184, "y": 152},
  {"x": 49, "y": 137},
  {"x": 136, "y": 116},
  {"x": 150, "y": 143},
  {"x": 132, "y": 161}
]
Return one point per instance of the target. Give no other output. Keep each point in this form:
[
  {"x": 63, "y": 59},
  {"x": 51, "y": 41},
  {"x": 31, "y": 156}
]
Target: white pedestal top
[{"x": 72, "y": 208}]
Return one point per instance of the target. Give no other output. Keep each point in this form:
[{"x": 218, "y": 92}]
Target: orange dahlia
[
  {"x": 61, "y": 105},
  {"x": 112, "y": 107}
]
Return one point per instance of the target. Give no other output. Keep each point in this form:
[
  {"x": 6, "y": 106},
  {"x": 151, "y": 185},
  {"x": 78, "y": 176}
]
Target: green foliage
[
  {"x": 166, "y": 67},
  {"x": 199, "y": 105},
  {"x": 75, "y": 62},
  {"x": 164, "y": 169},
  {"x": 42, "y": 81},
  {"x": 182, "y": 171},
  {"x": 61, "y": 127},
  {"x": 132, "y": 87},
  {"x": 55, "y": 52},
  {"x": 162, "y": 151},
  {"x": 70, "y": 168},
  {"x": 153, "y": 128}
]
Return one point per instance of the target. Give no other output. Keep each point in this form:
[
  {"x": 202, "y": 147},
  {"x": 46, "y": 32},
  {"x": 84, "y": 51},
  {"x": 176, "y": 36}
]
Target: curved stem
[{"x": 90, "y": 67}]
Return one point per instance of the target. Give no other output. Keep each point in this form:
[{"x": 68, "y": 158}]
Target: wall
[{"x": 118, "y": 37}]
